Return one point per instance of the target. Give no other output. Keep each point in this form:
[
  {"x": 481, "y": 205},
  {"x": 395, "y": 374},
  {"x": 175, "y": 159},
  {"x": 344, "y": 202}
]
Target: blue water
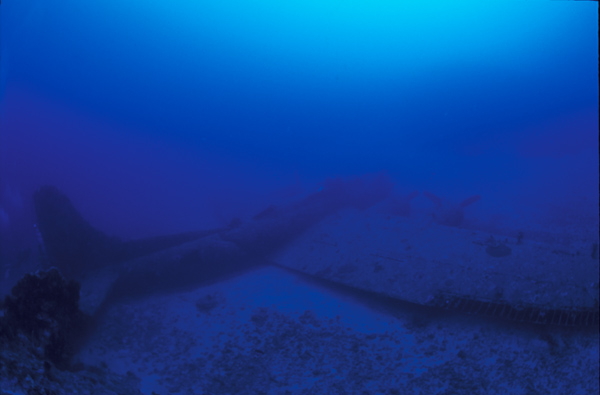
[
  {"x": 152, "y": 114},
  {"x": 156, "y": 117},
  {"x": 160, "y": 117}
]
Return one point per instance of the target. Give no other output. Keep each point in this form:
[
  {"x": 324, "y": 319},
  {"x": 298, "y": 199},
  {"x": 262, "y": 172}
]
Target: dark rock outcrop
[{"x": 44, "y": 308}]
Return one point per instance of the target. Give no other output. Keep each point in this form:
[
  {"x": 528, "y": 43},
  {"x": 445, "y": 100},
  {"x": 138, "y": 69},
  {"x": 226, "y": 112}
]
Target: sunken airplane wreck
[{"x": 337, "y": 235}]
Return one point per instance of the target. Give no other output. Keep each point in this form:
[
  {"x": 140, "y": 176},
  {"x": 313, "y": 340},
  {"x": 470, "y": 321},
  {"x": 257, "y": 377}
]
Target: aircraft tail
[{"x": 76, "y": 247}]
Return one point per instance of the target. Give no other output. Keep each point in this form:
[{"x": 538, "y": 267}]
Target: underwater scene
[{"x": 299, "y": 197}]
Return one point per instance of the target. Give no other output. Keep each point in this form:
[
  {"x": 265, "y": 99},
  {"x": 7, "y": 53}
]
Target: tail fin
[
  {"x": 470, "y": 200},
  {"x": 71, "y": 243},
  {"x": 437, "y": 201},
  {"x": 76, "y": 247}
]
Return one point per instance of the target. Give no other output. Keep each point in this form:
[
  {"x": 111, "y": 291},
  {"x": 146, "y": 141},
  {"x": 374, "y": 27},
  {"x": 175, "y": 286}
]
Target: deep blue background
[{"x": 159, "y": 117}]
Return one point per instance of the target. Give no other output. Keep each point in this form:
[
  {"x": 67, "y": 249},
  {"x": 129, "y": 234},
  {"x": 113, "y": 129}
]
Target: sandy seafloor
[{"x": 270, "y": 332}]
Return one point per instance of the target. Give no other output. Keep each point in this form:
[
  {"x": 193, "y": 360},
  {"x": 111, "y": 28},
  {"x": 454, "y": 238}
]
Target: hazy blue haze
[{"x": 166, "y": 116}]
